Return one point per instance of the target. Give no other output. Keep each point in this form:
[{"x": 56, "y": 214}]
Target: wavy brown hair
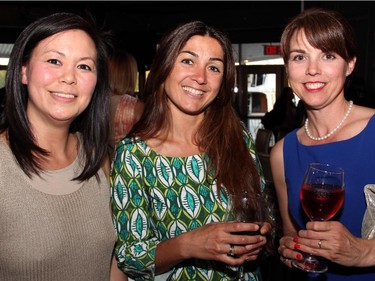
[{"x": 122, "y": 71}]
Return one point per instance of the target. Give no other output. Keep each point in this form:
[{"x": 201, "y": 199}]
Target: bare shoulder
[
  {"x": 364, "y": 111},
  {"x": 358, "y": 120},
  {"x": 277, "y": 152},
  {"x": 362, "y": 115}
]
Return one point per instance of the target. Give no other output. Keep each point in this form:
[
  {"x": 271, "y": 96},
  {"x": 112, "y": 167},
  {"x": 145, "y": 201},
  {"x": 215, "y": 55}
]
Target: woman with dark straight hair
[
  {"x": 56, "y": 221},
  {"x": 175, "y": 172},
  {"x": 92, "y": 123}
]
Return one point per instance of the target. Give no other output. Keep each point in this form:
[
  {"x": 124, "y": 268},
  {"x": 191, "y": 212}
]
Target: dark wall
[{"x": 361, "y": 14}]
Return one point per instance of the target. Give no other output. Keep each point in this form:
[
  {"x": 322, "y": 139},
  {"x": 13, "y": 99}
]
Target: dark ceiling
[
  {"x": 157, "y": 16},
  {"x": 137, "y": 25}
]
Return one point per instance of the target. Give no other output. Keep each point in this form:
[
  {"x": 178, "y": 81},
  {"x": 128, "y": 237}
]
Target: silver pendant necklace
[{"x": 306, "y": 127}]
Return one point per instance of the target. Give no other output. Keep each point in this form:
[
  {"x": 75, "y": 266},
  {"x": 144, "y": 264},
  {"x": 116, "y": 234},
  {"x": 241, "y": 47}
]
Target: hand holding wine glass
[
  {"x": 246, "y": 208},
  {"x": 321, "y": 195}
]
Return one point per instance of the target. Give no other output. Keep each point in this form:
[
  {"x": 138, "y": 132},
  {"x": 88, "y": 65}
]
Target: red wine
[
  {"x": 321, "y": 202},
  {"x": 246, "y": 233},
  {"x": 255, "y": 232}
]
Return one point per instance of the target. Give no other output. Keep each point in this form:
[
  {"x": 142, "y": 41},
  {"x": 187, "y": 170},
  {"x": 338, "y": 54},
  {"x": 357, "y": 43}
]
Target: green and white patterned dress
[{"x": 155, "y": 198}]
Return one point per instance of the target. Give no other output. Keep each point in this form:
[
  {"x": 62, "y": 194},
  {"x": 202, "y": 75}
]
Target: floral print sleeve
[{"x": 136, "y": 243}]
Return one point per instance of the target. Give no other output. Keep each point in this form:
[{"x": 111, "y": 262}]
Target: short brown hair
[
  {"x": 326, "y": 30},
  {"x": 123, "y": 71}
]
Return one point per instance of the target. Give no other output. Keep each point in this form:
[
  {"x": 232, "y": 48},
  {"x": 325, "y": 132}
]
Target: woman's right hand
[{"x": 287, "y": 250}]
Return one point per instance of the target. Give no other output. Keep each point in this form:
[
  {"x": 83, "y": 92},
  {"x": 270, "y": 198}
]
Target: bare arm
[
  {"x": 277, "y": 167},
  {"x": 116, "y": 274},
  {"x": 286, "y": 247}
]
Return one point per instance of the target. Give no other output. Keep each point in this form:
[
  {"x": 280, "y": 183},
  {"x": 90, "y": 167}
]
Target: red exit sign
[{"x": 272, "y": 50}]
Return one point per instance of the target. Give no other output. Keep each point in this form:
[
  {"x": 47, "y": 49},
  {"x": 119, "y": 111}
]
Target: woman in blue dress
[{"x": 319, "y": 50}]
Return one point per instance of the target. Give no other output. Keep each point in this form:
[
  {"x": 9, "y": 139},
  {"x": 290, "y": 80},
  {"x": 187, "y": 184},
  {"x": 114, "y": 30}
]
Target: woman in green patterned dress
[{"x": 171, "y": 177}]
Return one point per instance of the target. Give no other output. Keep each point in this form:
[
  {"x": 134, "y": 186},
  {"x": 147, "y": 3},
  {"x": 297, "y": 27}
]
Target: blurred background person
[
  {"x": 126, "y": 107},
  {"x": 283, "y": 118}
]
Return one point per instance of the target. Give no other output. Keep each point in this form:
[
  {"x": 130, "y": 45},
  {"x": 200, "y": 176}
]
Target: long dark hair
[
  {"x": 92, "y": 123},
  {"x": 220, "y": 135}
]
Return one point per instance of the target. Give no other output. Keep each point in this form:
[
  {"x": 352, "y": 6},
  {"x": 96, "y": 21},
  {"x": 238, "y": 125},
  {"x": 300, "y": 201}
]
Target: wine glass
[
  {"x": 321, "y": 196},
  {"x": 241, "y": 210}
]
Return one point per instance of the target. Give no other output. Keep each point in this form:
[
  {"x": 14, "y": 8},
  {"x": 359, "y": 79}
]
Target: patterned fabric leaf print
[
  {"x": 135, "y": 193},
  {"x": 159, "y": 203},
  {"x": 138, "y": 224},
  {"x": 191, "y": 272},
  {"x": 177, "y": 274},
  {"x": 212, "y": 218},
  {"x": 164, "y": 171},
  {"x": 122, "y": 225},
  {"x": 179, "y": 171},
  {"x": 139, "y": 250},
  {"x": 120, "y": 195},
  {"x": 207, "y": 275},
  {"x": 142, "y": 146},
  {"x": 121, "y": 253},
  {"x": 190, "y": 201},
  {"x": 176, "y": 229},
  {"x": 195, "y": 224},
  {"x": 216, "y": 192},
  {"x": 173, "y": 203},
  {"x": 194, "y": 166},
  {"x": 149, "y": 171},
  {"x": 132, "y": 164},
  {"x": 207, "y": 198}
]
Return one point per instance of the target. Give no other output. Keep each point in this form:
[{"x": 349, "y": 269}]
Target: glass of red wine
[
  {"x": 245, "y": 208},
  {"x": 321, "y": 196}
]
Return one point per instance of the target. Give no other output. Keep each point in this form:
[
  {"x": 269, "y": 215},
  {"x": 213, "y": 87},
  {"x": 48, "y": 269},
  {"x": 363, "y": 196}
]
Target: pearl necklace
[{"x": 306, "y": 127}]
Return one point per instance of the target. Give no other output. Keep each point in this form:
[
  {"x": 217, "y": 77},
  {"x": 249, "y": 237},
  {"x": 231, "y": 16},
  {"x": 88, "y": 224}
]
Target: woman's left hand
[
  {"x": 253, "y": 253},
  {"x": 333, "y": 241}
]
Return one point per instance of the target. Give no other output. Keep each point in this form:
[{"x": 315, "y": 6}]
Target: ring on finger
[
  {"x": 231, "y": 250},
  {"x": 284, "y": 260},
  {"x": 320, "y": 244}
]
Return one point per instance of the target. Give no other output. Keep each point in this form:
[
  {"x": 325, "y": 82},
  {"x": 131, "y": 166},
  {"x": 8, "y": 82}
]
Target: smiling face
[
  {"x": 196, "y": 75},
  {"x": 60, "y": 76},
  {"x": 316, "y": 77}
]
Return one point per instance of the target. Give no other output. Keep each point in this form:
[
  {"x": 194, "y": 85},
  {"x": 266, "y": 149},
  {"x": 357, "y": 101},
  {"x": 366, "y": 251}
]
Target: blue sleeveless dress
[{"x": 357, "y": 157}]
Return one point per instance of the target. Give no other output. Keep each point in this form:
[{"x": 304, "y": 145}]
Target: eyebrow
[
  {"x": 297, "y": 51},
  {"x": 196, "y": 55},
  {"x": 64, "y": 55}
]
